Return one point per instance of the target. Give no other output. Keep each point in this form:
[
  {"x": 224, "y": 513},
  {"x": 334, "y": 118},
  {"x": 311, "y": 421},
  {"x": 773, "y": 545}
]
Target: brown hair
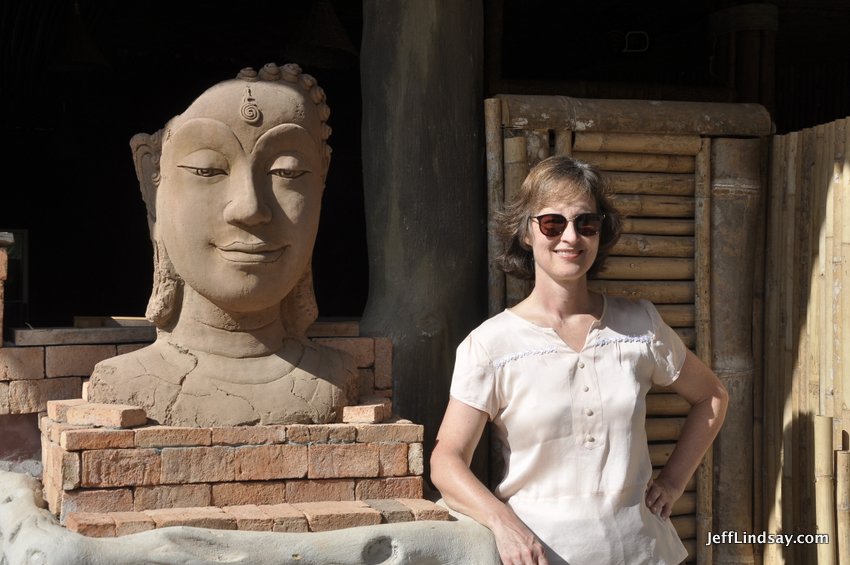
[{"x": 554, "y": 179}]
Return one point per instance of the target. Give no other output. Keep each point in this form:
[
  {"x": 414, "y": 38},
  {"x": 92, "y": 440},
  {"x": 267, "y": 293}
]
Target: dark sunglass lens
[
  {"x": 552, "y": 224},
  {"x": 588, "y": 224}
]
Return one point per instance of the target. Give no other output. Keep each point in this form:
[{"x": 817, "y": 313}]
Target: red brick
[
  {"x": 394, "y": 487},
  {"x": 132, "y": 523},
  {"x": 121, "y": 467},
  {"x": 286, "y": 518},
  {"x": 415, "y": 459},
  {"x": 205, "y": 517},
  {"x": 425, "y": 509},
  {"x": 361, "y": 348},
  {"x": 21, "y": 363},
  {"x": 383, "y": 363},
  {"x": 333, "y": 461},
  {"x": 96, "y": 438},
  {"x": 62, "y": 467},
  {"x": 4, "y": 398},
  {"x": 365, "y": 382},
  {"x": 106, "y": 415},
  {"x": 171, "y": 496},
  {"x": 171, "y": 436},
  {"x": 91, "y": 524},
  {"x": 249, "y": 517},
  {"x": 4, "y": 265},
  {"x": 249, "y": 435},
  {"x": 197, "y": 465},
  {"x": 315, "y": 490},
  {"x": 240, "y": 494},
  {"x": 75, "y": 360},
  {"x": 320, "y": 433},
  {"x": 392, "y": 459},
  {"x": 391, "y": 510},
  {"x": 54, "y": 430},
  {"x": 57, "y": 409},
  {"x": 389, "y": 432},
  {"x": 365, "y": 413},
  {"x": 336, "y": 515},
  {"x": 30, "y": 397},
  {"x": 96, "y": 500},
  {"x": 263, "y": 462}
]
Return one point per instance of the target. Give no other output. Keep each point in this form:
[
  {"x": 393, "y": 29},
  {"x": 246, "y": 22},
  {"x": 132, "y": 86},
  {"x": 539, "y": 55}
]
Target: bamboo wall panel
[{"x": 807, "y": 375}]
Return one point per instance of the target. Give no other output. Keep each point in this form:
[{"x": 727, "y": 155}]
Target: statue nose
[{"x": 247, "y": 206}]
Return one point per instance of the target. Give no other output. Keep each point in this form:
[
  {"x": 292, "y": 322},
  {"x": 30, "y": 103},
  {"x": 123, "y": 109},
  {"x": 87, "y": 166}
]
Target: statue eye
[
  {"x": 206, "y": 172},
  {"x": 286, "y": 173}
]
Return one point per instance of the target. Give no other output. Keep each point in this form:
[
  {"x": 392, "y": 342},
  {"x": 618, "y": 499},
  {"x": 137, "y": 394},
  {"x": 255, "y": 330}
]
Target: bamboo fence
[
  {"x": 806, "y": 393},
  {"x": 660, "y": 160}
]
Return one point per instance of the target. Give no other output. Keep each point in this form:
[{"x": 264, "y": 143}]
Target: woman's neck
[
  {"x": 551, "y": 303},
  {"x": 205, "y": 327}
]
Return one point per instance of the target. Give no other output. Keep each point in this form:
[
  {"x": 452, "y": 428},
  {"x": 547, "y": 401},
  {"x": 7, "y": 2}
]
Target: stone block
[
  {"x": 337, "y": 461},
  {"x": 21, "y": 363},
  {"x": 365, "y": 382},
  {"x": 248, "y": 493},
  {"x": 315, "y": 490},
  {"x": 362, "y": 349},
  {"x": 320, "y": 433},
  {"x": 75, "y": 360},
  {"x": 96, "y": 438},
  {"x": 95, "y": 500},
  {"x": 121, "y": 467},
  {"x": 106, "y": 415},
  {"x": 30, "y": 397},
  {"x": 383, "y": 363},
  {"x": 172, "y": 436},
  {"x": 249, "y": 517},
  {"x": 415, "y": 459},
  {"x": 62, "y": 467},
  {"x": 264, "y": 462},
  {"x": 336, "y": 515},
  {"x": 91, "y": 524},
  {"x": 392, "y": 459},
  {"x": 182, "y": 465},
  {"x": 204, "y": 517},
  {"x": 171, "y": 496},
  {"x": 392, "y": 511},
  {"x": 54, "y": 430},
  {"x": 132, "y": 523},
  {"x": 4, "y": 399},
  {"x": 286, "y": 518},
  {"x": 57, "y": 410},
  {"x": 425, "y": 509},
  {"x": 248, "y": 435},
  {"x": 393, "y": 487}
]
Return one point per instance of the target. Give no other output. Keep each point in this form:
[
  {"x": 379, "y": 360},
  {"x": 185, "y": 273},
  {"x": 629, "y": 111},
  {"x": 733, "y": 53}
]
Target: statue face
[{"x": 238, "y": 201}]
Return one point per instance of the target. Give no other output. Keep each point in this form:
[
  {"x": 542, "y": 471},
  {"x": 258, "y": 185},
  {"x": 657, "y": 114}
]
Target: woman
[{"x": 563, "y": 376}]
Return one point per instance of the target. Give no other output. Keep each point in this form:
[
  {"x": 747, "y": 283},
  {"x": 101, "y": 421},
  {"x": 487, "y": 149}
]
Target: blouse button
[
  {"x": 588, "y": 412},
  {"x": 590, "y": 439},
  {"x": 581, "y": 365},
  {"x": 585, "y": 388}
]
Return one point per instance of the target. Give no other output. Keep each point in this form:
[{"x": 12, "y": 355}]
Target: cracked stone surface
[{"x": 30, "y": 535}]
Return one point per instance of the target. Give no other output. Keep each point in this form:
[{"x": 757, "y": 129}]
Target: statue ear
[{"x": 147, "y": 150}]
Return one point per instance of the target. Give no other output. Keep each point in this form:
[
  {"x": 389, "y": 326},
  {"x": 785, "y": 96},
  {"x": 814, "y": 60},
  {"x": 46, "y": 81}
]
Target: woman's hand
[
  {"x": 660, "y": 497},
  {"x": 518, "y": 546}
]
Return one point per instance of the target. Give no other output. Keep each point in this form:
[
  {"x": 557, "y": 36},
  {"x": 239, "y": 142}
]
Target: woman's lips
[{"x": 568, "y": 253}]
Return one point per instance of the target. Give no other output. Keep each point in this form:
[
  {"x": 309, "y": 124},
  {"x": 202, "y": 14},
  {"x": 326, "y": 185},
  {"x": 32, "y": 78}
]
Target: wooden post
[
  {"x": 495, "y": 200},
  {"x": 824, "y": 489},
  {"x": 842, "y": 506}
]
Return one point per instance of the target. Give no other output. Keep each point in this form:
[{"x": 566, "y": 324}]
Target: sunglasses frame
[{"x": 579, "y": 221}]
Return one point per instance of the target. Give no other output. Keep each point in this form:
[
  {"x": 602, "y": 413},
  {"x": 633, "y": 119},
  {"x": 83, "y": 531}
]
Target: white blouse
[{"x": 571, "y": 428}]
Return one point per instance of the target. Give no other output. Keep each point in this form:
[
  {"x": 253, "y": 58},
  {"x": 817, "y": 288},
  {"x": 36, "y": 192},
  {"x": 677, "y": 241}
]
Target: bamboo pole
[
  {"x": 659, "y": 453},
  {"x": 685, "y": 526},
  {"x": 637, "y": 162},
  {"x": 666, "y": 184},
  {"x": 495, "y": 200},
  {"x": 563, "y": 142},
  {"x": 687, "y": 504},
  {"x": 827, "y": 312},
  {"x": 839, "y": 265},
  {"x": 842, "y": 506},
  {"x": 824, "y": 489},
  {"x": 637, "y": 143},
  {"x": 536, "y": 146},
  {"x": 516, "y": 169},
  {"x": 843, "y": 398},
  {"x": 654, "y": 246},
  {"x": 648, "y": 268},
  {"x": 689, "y": 487},
  {"x": 666, "y": 404},
  {"x": 657, "y": 206},
  {"x": 688, "y": 337},
  {"x": 660, "y": 226},
  {"x": 677, "y": 315},
  {"x": 664, "y": 429},
  {"x": 657, "y": 292}
]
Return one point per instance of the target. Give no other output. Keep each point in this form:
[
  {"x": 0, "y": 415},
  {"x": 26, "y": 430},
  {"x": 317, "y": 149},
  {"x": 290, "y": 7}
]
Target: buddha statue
[{"x": 233, "y": 190}]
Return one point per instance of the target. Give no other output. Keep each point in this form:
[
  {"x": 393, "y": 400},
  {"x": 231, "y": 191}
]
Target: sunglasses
[{"x": 586, "y": 225}]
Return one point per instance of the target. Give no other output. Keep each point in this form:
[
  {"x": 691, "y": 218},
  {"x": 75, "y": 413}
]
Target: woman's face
[
  {"x": 568, "y": 256},
  {"x": 238, "y": 203}
]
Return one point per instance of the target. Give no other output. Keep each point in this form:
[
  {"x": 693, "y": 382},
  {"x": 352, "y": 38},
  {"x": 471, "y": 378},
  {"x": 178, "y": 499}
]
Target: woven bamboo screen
[
  {"x": 657, "y": 158},
  {"x": 806, "y": 480}
]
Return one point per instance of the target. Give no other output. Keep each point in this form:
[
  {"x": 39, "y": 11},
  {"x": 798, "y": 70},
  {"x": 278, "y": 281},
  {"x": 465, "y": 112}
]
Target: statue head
[{"x": 233, "y": 189}]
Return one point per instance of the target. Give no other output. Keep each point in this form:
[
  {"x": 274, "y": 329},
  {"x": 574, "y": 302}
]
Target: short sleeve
[
  {"x": 473, "y": 379},
  {"x": 667, "y": 348}
]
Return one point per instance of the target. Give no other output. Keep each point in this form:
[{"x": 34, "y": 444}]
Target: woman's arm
[
  {"x": 456, "y": 441},
  {"x": 708, "y": 398}
]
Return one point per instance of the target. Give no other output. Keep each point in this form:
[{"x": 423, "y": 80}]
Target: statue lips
[{"x": 247, "y": 252}]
